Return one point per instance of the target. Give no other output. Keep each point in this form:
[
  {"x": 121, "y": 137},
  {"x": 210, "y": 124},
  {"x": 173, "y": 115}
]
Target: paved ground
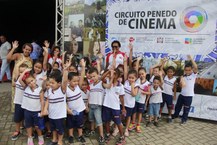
[{"x": 195, "y": 132}]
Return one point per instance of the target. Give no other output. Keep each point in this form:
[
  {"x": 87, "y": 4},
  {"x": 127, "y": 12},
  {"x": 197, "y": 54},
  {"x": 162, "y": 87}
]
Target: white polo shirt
[{"x": 188, "y": 90}]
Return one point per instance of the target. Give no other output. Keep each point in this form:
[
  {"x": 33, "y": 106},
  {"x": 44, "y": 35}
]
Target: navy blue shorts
[
  {"x": 128, "y": 110},
  {"x": 75, "y": 121},
  {"x": 18, "y": 114},
  {"x": 46, "y": 119},
  {"x": 110, "y": 114},
  {"x": 168, "y": 99},
  {"x": 139, "y": 108},
  {"x": 57, "y": 125},
  {"x": 31, "y": 118}
]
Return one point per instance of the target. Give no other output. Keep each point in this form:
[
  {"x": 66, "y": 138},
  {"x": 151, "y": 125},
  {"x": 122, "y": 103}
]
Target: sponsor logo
[{"x": 193, "y": 19}]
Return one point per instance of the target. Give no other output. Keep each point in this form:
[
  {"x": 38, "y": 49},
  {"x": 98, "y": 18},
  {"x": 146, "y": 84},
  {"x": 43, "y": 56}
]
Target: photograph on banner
[
  {"x": 73, "y": 47},
  {"x": 215, "y": 88},
  {"x": 94, "y": 34},
  {"x": 94, "y": 50},
  {"x": 207, "y": 70},
  {"x": 74, "y": 7},
  {"x": 95, "y": 13},
  {"x": 204, "y": 86},
  {"x": 74, "y": 27}
]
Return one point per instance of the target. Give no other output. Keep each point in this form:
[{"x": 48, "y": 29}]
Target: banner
[{"x": 162, "y": 28}]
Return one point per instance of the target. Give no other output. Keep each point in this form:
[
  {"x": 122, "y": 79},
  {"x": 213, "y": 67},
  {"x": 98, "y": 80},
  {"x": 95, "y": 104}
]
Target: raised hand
[
  {"x": 46, "y": 43},
  {"x": 130, "y": 46},
  {"x": 15, "y": 44},
  {"x": 82, "y": 63}
]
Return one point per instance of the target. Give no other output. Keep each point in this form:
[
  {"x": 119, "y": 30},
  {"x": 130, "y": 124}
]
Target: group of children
[{"x": 67, "y": 90}]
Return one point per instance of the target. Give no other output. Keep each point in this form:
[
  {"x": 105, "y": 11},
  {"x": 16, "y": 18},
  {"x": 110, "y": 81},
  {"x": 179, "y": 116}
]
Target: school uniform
[
  {"x": 39, "y": 78},
  {"x": 168, "y": 91},
  {"x": 129, "y": 100},
  {"x": 18, "y": 98},
  {"x": 32, "y": 106},
  {"x": 185, "y": 98},
  {"x": 141, "y": 98},
  {"x": 154, "y": 101},
  {"x": 111, "y": 104},
  {"x": 57, "y": 109},
  {"x": 95, "y": 102},
  {"x": 76, "y": 104}
]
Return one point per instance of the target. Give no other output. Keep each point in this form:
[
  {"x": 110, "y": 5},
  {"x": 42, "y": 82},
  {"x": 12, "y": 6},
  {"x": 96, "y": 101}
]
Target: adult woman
[
  {"x": 27, "y": 49},
  {"x": 116, "y": 53}
]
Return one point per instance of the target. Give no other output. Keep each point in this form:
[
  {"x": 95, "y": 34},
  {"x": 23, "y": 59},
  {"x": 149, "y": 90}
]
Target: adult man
[{"x": 5, "y": 66}]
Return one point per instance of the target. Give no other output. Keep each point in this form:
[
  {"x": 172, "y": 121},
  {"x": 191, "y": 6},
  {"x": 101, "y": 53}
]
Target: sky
[{"x": 27, "y": 20}]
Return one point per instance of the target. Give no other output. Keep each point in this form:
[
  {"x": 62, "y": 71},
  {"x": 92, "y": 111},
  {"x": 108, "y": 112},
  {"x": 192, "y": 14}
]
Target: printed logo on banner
[
  {"x": 188, "y": 41},
  {"x": 193, "y": 19}
]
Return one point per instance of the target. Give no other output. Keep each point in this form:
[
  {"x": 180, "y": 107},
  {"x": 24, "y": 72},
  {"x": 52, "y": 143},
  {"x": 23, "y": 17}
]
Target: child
[
  {"x": 18, "y": 97},
  {"x": 33, "y": 103},
  {"x": 187, "y": 91},
  {"x": 111, "y": 106},
  {"x": 46, "y": 87},
  {"x": 56, "y": 104},
  {"x": 169, "y": 91},
  {"x": 75, "y": 104},
  {"x": 96, "y": 98},
  {"x": 141, "y": 101},
  {"x": 131, "y": 90},
  {"x": 154, "y": 101},
  {"x": 157, "y": 70},
  {"x": 85, "y": 94},
  {"x": 40, "y": 69}
]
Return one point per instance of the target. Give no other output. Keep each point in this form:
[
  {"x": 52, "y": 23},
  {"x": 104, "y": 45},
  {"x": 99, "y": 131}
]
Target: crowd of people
[{"x": 62, "y": 88}]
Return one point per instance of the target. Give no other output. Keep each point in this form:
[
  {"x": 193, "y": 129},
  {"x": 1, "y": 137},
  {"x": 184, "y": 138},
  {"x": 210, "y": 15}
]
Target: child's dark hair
[
  {"x": 92, "y": 70},
  {"x": 158, "y": 67},
  {"x": 132, "y": 72},
  {"x": 157, "y": 78},
  {"x": 188, "y": 65},
  {"x": 86, "y": 81},
  {"x": 117, "y": 72},
  {"x": 71, "y": 75},
  {"x": 56, "y": 75},
  {"x": 56, "y": 63},
  {"x": 23, "y": 65},
  {"x": 142, "y": 68},
  {"x": 171, "y": 68}
]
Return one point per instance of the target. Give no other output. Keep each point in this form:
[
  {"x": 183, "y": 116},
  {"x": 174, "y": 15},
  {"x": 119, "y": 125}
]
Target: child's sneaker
[
  {"x": 156, "y": 124},
  {"x": 89, "y": 133},
  {"x": 81, "y": 139},
  {"x": 148, "y": 124},
  {"x": 115, "y": 132},
  {"x": 15, "y": 135},
  {"x": 132, "y": 126},
  {"x": 126, "y": 133},
  {"x": 138, "y": 129},
  {"x": 121, "y": 141},
  {"x": 107, "y": 138},
  {"x": 30, "y": 141},
  {"x": 101, "y": 140},
  {"x": 48, "y": 134},
  {"x": 169, "y": 120},
  {"x": 71, "y": 139},
  {"x": 40, "y": 140}
]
